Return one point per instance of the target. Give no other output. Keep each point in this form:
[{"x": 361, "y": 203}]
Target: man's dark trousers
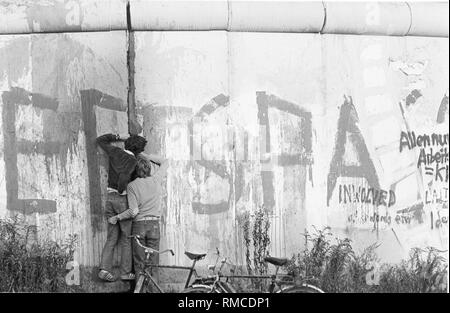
[{"x": 117, "y": 233}]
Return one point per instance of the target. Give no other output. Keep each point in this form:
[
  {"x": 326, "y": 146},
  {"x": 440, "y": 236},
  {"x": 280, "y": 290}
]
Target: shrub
[
  {"x": 257, "y": 241},
  {"x": 27, "y": 265},
  {"x": 424, "y": 271},
  {"x": 333, "y": 265}
]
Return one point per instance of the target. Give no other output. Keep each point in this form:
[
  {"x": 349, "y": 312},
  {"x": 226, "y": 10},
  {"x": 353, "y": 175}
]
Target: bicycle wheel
[
  {"x": 139, "y": 288},
  {"x": 302, "y": 289},
  {"x": 199, "y": 289}
]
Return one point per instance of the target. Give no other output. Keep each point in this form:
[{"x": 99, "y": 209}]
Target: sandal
[
  {"x": 129, "y": 276},
  {"x": 106, "y": 276}
]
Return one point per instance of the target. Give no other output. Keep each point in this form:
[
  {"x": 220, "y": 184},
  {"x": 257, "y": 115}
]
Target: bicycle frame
[
  {"x": 148, "y": 265},
  {"x": 276, "y": 279},
  {"x": 191, "y": 269}
]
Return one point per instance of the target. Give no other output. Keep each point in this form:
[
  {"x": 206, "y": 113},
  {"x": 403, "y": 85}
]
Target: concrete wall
[
  {"x": 329, "y": 110},
  {"x": 58, "y": 91},
  {"x": 293, "y": 122},
  {"x": 409, "y": 18}
]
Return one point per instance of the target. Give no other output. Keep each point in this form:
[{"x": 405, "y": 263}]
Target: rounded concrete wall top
[{"x": 358, "y": 18}]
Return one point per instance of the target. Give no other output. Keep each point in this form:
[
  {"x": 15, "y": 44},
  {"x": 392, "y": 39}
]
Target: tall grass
[
  {"x": 256, "y": 241},
  {"x": 29, "y": 265},
  {"x": 424, "y": 271},
  {"x": 333, "y": 265}
]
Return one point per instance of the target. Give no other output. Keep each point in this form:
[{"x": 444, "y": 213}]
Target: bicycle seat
[
  {"x": 276, "y": 261},
  {"x": 195, "y": 256}
]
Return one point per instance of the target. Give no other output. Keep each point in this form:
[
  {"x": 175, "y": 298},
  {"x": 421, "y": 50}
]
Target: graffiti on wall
[
  {"x": 90, "y": 99},
  {"x": 359, "y": 192},
  {"x": 302, "y": 155},
  {"x": 11, "y": 100},
  {"x": 60, "y": 131},
  {"x": 351, "y": 159},
  {"x": 219, "y": 150},
  {"x": 348, "y": 130},
  {"x": 211, "y": 164},
  {"x": 303, "y": 152},
  {"x": 430, "y": 147},
  {"x": 43, "y": 17},
  {"x": 433, "y": 155}
]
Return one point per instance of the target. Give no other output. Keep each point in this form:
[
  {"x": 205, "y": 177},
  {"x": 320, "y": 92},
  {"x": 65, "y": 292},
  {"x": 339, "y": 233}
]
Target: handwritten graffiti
[
  {"x": 357, "y": 194},
  {"x": 436, "y": 196},
  {"x": 363, "y": 216},
  {"x": 348, "y": 130},
  {"x": 438, "y": 221},
  {"x": 411, "y": 140},
  {"x": 433, "y": 171},
  {"x": 434, "y": 161},
  {"x": 411, "y": 214}
]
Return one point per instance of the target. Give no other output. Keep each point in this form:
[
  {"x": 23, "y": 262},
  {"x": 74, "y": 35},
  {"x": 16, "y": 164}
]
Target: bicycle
[
  {"x": 286, "y": 283},
  {"x": 145, "y": 276}
]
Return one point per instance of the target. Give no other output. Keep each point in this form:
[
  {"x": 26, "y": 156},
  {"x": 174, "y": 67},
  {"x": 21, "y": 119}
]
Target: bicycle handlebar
[{"x": 151, "y": 250}]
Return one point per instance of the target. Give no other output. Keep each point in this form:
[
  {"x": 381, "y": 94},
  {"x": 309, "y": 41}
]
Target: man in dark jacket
[{"x": 122, "y": 165}]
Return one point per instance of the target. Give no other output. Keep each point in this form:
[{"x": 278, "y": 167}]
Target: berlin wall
[{"x": 320, "y": 128}]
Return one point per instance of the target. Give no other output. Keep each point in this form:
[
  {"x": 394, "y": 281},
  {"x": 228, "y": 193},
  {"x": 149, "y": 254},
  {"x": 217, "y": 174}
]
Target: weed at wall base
[
  {"x": 332, "y": 265},
  {"x": 27, "y": 265},
  {"x": 256, "y": 241}
]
